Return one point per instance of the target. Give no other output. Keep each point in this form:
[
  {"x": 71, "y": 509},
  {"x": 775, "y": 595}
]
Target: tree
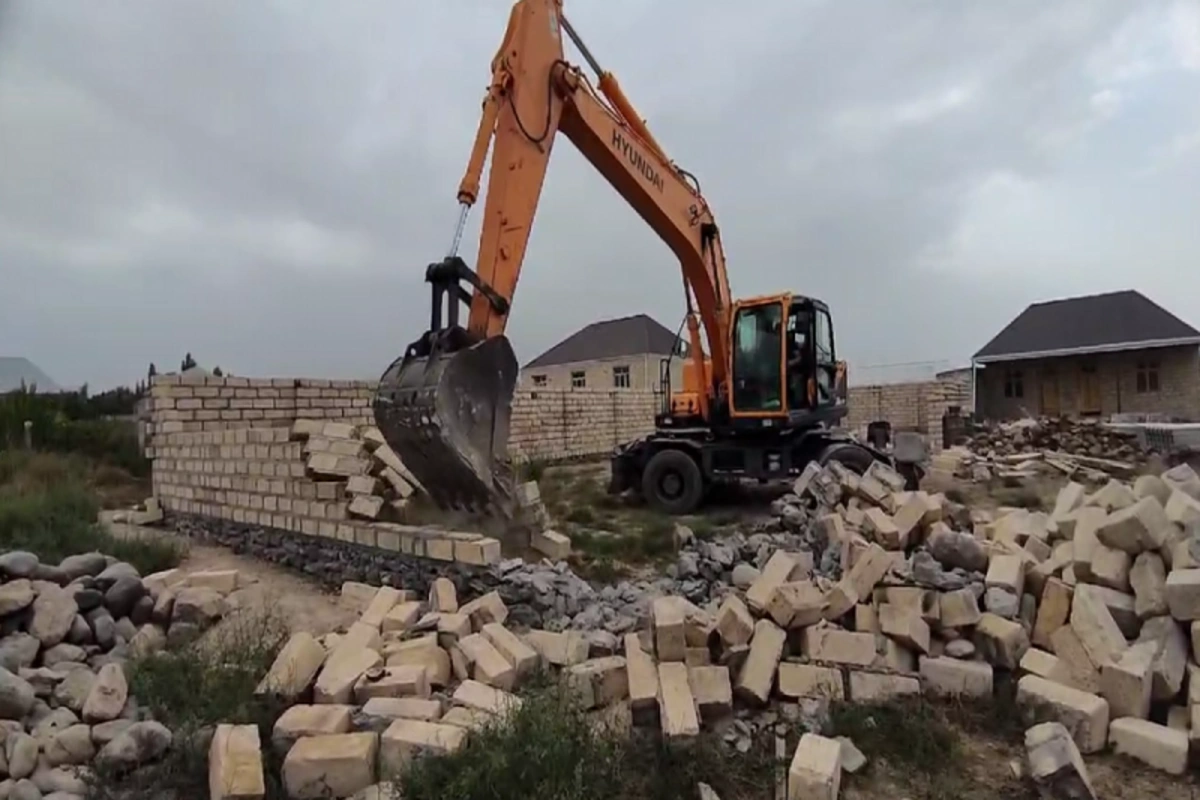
[
  {"x": 187, "y": 363},
  {"x": 217, "y": 372}
]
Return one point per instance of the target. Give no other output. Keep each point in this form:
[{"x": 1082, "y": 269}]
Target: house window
[
  {"x": 1014, "y": 383},
  {"x": 621, "y": 377},
  {"x": 578, "y": 380},
  {"x": 539, "y": 380},
  {"x": 1147, "y": 377}
]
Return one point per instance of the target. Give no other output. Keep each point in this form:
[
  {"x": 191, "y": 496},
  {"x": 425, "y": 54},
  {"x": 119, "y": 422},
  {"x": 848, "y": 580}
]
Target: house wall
[
  {"x": 1115, "y": 381},
  {"x": 598, "y": 373}
]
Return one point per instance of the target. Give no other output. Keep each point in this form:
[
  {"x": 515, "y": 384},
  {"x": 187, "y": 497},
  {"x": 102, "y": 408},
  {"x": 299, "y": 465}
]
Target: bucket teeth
[{"x": 447, "y": 417}]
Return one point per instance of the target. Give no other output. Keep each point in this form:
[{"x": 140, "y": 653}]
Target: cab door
[
  {"x": 827, "y": 367},
  {"x": 758, "y": 375}
]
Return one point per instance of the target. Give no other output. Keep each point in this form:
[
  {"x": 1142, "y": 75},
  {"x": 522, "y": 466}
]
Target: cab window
[{"x": 757, "y": 352}]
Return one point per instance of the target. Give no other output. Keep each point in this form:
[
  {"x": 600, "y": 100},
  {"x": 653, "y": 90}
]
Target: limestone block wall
[{"x": 559, "y": 424}]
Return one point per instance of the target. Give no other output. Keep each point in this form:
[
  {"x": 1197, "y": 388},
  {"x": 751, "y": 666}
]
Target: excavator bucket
[{"x": 446, "y": 415}]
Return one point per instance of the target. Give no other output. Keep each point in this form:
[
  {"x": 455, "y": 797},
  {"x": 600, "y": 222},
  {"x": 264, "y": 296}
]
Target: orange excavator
[{"x": 762, "y": 390}]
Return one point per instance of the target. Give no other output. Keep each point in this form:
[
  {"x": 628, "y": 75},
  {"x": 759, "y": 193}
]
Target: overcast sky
[{"x": 263, "y": 182}]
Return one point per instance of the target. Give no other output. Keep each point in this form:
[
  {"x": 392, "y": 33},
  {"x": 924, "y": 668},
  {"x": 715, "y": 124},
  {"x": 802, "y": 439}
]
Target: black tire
[
  {"x": 857, "y": 459},
  {"x": 672, "y": 482}
]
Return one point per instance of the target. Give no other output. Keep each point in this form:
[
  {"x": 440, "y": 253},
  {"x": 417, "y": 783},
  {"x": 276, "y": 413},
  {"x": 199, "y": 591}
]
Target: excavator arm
[{"x": 444, "y": 406}]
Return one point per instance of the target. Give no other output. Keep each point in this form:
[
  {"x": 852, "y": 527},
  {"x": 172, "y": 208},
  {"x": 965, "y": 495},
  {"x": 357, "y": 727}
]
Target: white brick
[{"x": 1153, "y": 744}]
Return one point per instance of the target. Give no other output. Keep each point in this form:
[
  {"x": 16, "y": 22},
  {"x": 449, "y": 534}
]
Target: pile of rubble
[
  {"x": 67, "y": 631},
  {"x": 378, "y": 484},
  {"x": 1089, "y": 451}
]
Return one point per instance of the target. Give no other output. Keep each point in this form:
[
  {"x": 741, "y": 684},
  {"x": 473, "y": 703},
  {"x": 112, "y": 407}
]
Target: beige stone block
[
  {"x": 808, "y": 680},
  {"x": 408, "y": 680},
  {"x": 883, "y": 529},
  {"x": 425, "y": 652},
  {"x": 868, "y": 687},
  {"x": 406, "y": 739},
  {"x": 815, "y": 772},
  {"x": 305, "y": 720},
  {"x": 487, "y": 608},
  {"x": 670, "y": 641},
  {"x": 551, "y": 544},
  {"x": 1069, "y": 498},
  {"x": 473, "y": 694},
  {"x": 905, "y": 626},
  {"x": 294, "y": 668},
  {"x": 734, "y": 623},
  {"x": 643, "y": 676},
  {"x": 1110, "y": 567},
  {"x": 401, "y": 617},
  {"x": 1148, "y": 577},
  {"x": 235, "y": 764},
  {"x": 442, "y": 596},
  {"x": 1046, "y": 665},
  {"x": 866, "y": 619},
  {"x": 338, "y": 765},
  {"x": 777, "y": 570},
  {"x": 1183, "y": 594},
  {"x": 1088, "y": 519},
  {"x": 869, "y": 570},
  {"x": 1096, "y": 628},
  {"x": 488, "y": 665},
  {"x": 599, "y": 682},
  {"x": 453, "y": 627},
  {"x": 952, "y": 677},
  {"x": 1135, "y": 528},
  {"x": 758, "y": 673},
  {"x": 560, "y": 649},
  {"x": 958, "y": 609},
  {"x": 1053, "y": 611},
  {"x": 1182, "y": 509},
  {"x": 1084, "y": 715},
  {"x": 384, "y": 600},
  {"x": 677, "y": 705},
  {"x": 1085, "y": 674},
  {"x": 1154, "y": 745},
  {"x": 1113, "y": 496},
  {"x": 828, "y": 644},
  {"x": 422, "y": 708},
  {"x": 796, "y": 604},
  {"x": 335, "y": 684},
  {"x": 1126, "y": 684},
  {"x": 466, "y": 718},
  {"x": 522, "y": 657},
  {"x": 712, "y": 690},
  {"x": 1055, "y": 764},
  {"x": 1000, "y": 641}
]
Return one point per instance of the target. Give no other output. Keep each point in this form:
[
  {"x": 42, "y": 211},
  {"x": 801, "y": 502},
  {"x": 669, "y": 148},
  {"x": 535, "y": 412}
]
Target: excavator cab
[{"x": 785, "y": 369}]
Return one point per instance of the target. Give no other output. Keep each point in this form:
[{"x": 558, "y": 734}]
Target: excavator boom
[{"x": 444, "y": 406}]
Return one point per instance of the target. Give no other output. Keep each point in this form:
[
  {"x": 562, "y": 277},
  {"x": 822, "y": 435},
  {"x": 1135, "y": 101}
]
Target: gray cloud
[{"x": 263, "y": 183}]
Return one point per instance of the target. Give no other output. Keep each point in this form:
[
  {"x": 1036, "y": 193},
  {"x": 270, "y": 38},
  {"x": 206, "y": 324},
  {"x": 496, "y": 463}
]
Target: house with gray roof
[
  {"x": 17, "y": 372},
  {"x": 1091, "y": 356},
  {"x": 623, "y": 353}
]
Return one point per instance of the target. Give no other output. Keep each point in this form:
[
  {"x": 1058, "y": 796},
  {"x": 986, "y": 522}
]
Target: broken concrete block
[
  {"x": 560, "y": 649},
  {"x": 677, "y": 706},
  {"x": 734, "y": 623},
  {"x": 952, "y": 677},
  {"x": 294, "y": 668},
  {"x": 599, "y": 682},
  {"x": 642, "y": 675},
  {"x": 235, "y": 764},
  {"x": 1126, "y": 683},
  {"x": 1136, "y": 528},
  {"x": 522, "y": 657},
  {"x": 551, "y": 544},
  {"x": 669, "y": 640},
  {"x": 1084, "y": 715},
  {"x": 1085, "y": 675},
  {"x": 824, "y": 643},
  {"x": 758, "y": 673},
  {"x": 868, "y": 687},
  {"x": 816, "y": 769},
  {"x": 1053, "y": 611},
  {"x": 1000, "y": 641},
  {"x": 488, "y": 665},
  {"x": 1155, "y": 745},
  {"x": 712, "y": 691},
  {"x": 1096, "y": 628},
  {"x": 880, "y": 527},
  {"x": 905, "y": 626},
  {"x": 336, "y": 765},
  {"x": 1148, "y": 577},
  {"x": 1055, "y": 764},
  {"x": 1183, "y": 594},
  {"x": 958, "y": 609},
  {"x": 409, "y": 680},
  {"x": 406, "y": 739},
  {"x": 473, "y": 694},
  {"x": 777, "y": 570},
  {"x": 796, "y": 604},
  {"x": 809, "y": 680}
]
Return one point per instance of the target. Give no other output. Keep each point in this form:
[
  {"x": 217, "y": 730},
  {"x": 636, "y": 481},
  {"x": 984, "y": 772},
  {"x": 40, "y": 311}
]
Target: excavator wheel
[
  {"x": 856, "y": 459},
  {"x": 445, "y": 412},
  {"x": 672, "y": 482}
]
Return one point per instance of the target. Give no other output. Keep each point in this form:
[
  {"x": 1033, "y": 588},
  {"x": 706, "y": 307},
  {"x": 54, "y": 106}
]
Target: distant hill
[{"x": 15, "y": 371}]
